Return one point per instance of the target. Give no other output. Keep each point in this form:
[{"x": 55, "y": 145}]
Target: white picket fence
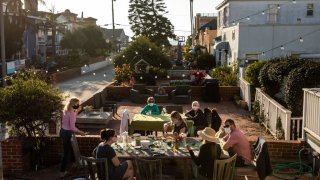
[
  {"x": 311, "y": 112},
  {"x": 245, "y": 93},
  {"x": 272, "y": 110}
]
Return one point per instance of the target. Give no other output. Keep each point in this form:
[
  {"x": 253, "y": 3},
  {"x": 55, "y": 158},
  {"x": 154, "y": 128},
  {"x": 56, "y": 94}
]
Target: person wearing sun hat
[{"x": 209, "y": 152}]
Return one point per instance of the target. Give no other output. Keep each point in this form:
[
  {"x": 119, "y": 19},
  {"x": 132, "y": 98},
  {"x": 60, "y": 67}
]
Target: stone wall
[
  {"x": 15, "y": 162},
  {"x": 66, "y": 75}
]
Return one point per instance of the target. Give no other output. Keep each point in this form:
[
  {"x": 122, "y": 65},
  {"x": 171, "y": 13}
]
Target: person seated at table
[
  {"x": 209, "y": 152},
  {"x": 235, "y": 142},
  {"x": 116, "y": 169},
  {"x": 197, "y": 116},
  {"x": 151, "y": 107},
  {"x": 177, "y": 124},
  {"x": 213, "y": 118}
]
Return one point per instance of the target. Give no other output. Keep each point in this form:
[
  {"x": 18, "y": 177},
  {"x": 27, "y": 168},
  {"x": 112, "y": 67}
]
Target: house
[
  {"x": 200, "y": 20},
  {"x": 206, "y": 35},
  {"x": 120, "y": 38},
  {"x": 71, "y": 22},
  {"x": 262, "y": 30}
]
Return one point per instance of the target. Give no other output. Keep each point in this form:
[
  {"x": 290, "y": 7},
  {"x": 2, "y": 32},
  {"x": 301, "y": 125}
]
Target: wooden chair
[
  {"x": 97, "y": 168},
  {"x": 148, "y": 169},
  {"x": 224, "y": 169},
  {"x": 76, "y": 150}
]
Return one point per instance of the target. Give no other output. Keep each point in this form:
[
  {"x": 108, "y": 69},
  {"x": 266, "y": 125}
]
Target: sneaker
[{"x": 63, "y": 174}]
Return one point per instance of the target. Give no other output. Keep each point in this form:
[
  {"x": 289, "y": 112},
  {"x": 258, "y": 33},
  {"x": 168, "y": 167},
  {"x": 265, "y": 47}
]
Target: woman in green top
[{"x": 151, "y": 108}]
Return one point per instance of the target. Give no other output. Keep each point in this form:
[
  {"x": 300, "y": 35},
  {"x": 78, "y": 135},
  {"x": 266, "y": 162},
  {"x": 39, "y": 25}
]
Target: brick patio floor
[{"x": 225, "y": 110}]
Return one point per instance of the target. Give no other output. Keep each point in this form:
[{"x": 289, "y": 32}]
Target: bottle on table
[{"x": 164, "y": 110}]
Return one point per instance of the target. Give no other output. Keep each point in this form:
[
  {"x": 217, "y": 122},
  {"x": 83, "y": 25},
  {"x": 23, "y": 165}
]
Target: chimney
[{"x": 82, "y": 16}]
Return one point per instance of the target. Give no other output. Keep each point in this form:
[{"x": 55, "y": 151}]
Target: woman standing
[
  {"x": 67, "y": 129},
  {"x": 116, "y": 170}
]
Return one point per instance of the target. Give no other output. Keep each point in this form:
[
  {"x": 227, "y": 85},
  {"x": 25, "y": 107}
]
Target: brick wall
[
  {"x": 12, "y": 157},
  {"x": 226, "y": 92},
  {"x": 15, "y": 162}
]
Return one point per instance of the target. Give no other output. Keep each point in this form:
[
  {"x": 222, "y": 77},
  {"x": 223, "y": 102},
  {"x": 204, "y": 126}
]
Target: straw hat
[{"x": 208, "y": 134}]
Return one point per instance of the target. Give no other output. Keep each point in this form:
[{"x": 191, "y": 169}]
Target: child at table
[
  {"x": 177, "y": 123},
  {"x": 151, "y": 107}
]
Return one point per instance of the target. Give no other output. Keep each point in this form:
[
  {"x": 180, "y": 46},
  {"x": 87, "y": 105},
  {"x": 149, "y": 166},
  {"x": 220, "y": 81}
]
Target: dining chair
[
  {"x": 97, "y": 168},
  {"x": 76, "y": 150},
  {"x": 224, "y": 169},
  {"x": 148, "y": 169}
]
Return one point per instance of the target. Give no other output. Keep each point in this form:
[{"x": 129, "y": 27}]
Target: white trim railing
[
  {"x": 311, "y": 112},
  {"x": 272, "y": 111},
  {"x": 296, "y": 128},
  {"x": 245, "y": 93}
]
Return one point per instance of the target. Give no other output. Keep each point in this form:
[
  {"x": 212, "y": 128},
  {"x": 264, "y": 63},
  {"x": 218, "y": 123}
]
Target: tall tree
[
  {"x": 89, "y": 39},
  {"x": 146, "y": 19}
]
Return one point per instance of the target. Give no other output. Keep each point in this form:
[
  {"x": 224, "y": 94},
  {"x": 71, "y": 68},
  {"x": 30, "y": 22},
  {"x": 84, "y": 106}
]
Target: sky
[{"x": 101, "y": 10}]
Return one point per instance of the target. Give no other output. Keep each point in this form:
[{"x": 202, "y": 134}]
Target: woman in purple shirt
[{"x": 67, "y": 129}]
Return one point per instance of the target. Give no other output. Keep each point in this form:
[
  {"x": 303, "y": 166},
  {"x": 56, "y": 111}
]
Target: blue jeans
[{"x": 67, "y": 148}]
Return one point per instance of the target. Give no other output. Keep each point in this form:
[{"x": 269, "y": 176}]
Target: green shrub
[
  {"x": 305, "y": 76},
  {"x": 147, "y": 51},
  {"x": 28, "y": 104},
  {"x": 206, "y": 61},
  {"x": 252, "y": 73},
  {"x": 159, "y": 72},
  {"x": 225, "y": 75},
  {"x": 271, "y": 87}
]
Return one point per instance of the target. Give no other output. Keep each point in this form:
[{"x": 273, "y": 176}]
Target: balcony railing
[
  {"x": 245, "y": 93},
  {"x": 311, "y": 112}
]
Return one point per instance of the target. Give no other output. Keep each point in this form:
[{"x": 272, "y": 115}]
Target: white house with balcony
[{"x": 266, "y": 29}]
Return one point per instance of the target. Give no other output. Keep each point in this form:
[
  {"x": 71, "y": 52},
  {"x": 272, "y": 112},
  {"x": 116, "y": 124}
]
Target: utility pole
[
  {"x": 191, "y": 21},
  {"x": 3, "y": 55},
  {"x": 113, "y": 27}
]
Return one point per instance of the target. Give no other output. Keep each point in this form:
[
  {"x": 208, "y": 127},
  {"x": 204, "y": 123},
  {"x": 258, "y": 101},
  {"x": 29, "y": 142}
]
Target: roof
[
  {"x": 67, "y": 12},
  {"x": 212, "y": 25},
  {"x": 108, "y": 32},
  {"x": 244, "y": 1}
]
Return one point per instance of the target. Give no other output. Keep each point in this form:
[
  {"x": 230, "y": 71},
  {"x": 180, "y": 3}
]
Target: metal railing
[
  {"x": 245, "y": 93},
  {"x": 296, "y": 128}
]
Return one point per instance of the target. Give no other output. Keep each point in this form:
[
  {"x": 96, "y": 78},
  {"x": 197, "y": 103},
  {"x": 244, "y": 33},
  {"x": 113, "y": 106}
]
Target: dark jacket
[
  {"x": 263, "y": 163},
  {"x": 216, "y": 121},
  {"x": 197, "y": 117},
  {"x": 205, "y": 160}
]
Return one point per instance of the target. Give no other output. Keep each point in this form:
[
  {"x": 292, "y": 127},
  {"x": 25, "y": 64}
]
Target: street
[{"x": 83, "y": 87}]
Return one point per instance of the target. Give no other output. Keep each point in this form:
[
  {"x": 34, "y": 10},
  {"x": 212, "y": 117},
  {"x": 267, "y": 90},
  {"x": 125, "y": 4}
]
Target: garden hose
[{"x": 300, "y": 167}]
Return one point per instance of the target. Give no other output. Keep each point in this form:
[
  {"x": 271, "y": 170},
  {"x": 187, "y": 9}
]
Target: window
[
  {"x": 219, "y": 17},
  {"x": 310, "y": 10},
  {"x": 225, "y": 16},
  {"x": 252, "y": 57},
  {"x": 233, "y": 34},
  {"x": 273, "y": 13}
]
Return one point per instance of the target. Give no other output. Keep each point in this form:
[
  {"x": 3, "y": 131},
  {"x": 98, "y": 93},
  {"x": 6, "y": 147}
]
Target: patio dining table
[
  {"x": 152, "y": 122},
  {"x": 177, "y": 162}
]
